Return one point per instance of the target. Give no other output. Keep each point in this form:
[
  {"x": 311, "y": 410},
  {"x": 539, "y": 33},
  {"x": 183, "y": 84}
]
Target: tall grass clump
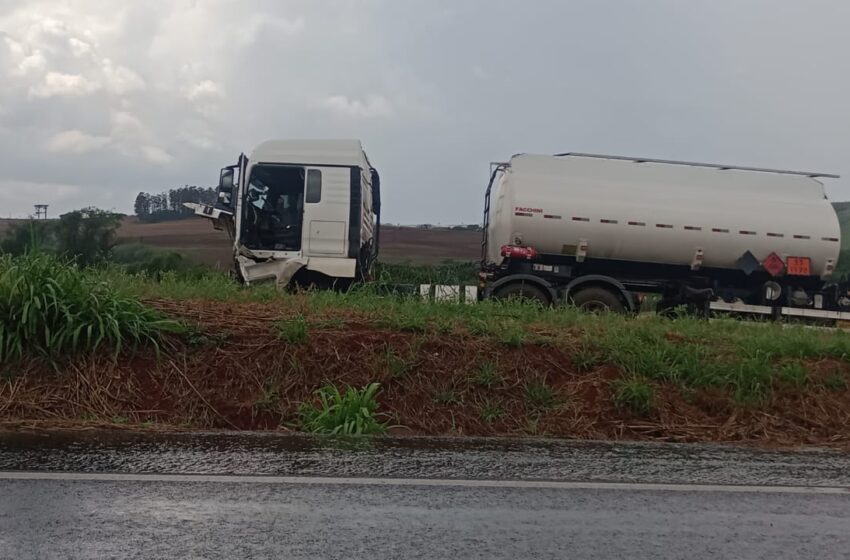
[
  {"x": 50, "y": 308},
  {"x": 352, "y": 412},
  {"x": 634, "y": 394}
]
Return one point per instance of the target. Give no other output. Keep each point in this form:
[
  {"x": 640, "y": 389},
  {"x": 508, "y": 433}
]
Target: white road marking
[{"x": 517, "y": 484}]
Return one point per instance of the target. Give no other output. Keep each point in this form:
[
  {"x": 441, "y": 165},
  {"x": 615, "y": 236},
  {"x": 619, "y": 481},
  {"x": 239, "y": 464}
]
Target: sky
[{"x": 101, "y": 99}]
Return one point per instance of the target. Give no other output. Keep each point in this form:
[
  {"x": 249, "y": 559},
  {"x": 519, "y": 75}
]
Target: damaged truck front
[{"x": 300, "y": 212}]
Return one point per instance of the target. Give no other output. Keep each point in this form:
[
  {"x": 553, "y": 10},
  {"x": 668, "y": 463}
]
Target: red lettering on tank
[{"x": 528, "y": 209}]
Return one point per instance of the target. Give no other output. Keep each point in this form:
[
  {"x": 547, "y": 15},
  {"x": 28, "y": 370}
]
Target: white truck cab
[{"x": 300, "y": 211}]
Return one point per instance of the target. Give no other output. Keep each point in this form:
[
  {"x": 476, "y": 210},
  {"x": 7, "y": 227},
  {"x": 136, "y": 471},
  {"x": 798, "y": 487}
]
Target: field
[{"x": 197, "y": 240}]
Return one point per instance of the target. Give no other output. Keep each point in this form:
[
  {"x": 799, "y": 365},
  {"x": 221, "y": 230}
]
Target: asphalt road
[{"x": 270, "y": 498}]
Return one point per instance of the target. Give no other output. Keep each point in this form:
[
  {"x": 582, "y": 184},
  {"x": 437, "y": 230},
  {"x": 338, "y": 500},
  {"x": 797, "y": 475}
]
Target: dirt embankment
[{"x": 236, "y": 372}]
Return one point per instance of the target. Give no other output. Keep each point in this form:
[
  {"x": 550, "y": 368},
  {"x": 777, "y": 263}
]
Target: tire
[
  {"x": 598, "y": 300},
  {"x": 523, "y": 291}
]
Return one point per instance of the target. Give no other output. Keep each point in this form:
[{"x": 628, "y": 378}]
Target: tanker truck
[{"x": 595, "y": 230}]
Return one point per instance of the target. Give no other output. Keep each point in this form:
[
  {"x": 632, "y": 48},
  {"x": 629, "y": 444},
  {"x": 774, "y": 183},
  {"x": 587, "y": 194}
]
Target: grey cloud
[{"x": 149, "y": 95}]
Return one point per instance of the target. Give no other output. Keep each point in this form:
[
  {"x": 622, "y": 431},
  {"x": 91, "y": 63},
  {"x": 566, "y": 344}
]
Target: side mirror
[{"x": 225, "y": 187}]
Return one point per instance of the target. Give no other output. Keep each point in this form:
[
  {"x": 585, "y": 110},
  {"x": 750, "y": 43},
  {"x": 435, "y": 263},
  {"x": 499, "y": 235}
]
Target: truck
[
  {"x": 596, "y": 230},
  {"x": 300, "y": 212}
]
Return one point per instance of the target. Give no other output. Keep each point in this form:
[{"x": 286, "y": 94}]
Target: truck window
[
  {"x": 314, "y": 186},
  {"x": 274, "y": 208}
]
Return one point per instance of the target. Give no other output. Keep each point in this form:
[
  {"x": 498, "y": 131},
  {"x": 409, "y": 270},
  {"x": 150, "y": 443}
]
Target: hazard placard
[{"x": 799, "y": 266}]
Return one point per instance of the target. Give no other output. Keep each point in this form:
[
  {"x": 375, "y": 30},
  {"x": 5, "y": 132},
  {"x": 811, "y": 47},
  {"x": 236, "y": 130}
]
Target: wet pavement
[
  {"x": 272, "y": 496},
  {"x": 414, "y": 457}
]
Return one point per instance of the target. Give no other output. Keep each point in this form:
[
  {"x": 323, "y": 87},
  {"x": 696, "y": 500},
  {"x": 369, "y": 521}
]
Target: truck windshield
[{"x": 273, "y": 209}]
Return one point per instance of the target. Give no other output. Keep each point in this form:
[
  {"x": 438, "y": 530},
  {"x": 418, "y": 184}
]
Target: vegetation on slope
[{"x": 50, "y": 308}]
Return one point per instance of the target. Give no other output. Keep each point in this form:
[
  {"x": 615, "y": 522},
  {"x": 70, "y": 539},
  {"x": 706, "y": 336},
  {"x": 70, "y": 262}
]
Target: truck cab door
[
  {"x": 326, "y": 211},
  {"x": 222, "y": 212}
]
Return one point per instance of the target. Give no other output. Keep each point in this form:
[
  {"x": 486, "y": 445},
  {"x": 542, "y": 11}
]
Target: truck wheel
[
  {"x": 598, "y": 300},
  {"x": 521, "y": 291}
]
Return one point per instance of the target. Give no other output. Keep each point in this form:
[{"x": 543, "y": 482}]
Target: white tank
[{"x": 661, "y": 212}]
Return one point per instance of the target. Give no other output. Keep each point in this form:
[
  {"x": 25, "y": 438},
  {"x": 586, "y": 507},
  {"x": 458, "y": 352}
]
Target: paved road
[{"x": 532, "y": 504}]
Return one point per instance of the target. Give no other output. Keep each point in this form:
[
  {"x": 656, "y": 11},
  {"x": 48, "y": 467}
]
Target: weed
[
  {"x": 331, "y": 323},
  {"x": 487, "y": 375},
  {"x": 352, "y": 412},
  {"x": 539, "y": 396},
  {"x": 835, "y": 382},
  {"x": 512, "y": 335},
  {"x": 397, "y": 366},
  {"x": 51, "y": 308},
  {"x": 752, "y": 379},
  {"x": 444, "y": 325},
  {"x": 292, "y": 331},
  {"x": 634, "y": 394},
  {"x": 446, "y": 273},
  {"x": 404, "y": 323},
  {"x": 585, "y": 358},
  {"x": 794, "y": 373},
  {"x": 533, "y": 425},
  {"x": 490, "y": 411},
  {"x": 446, "y": 397},
  {"x": 270, "y": 399}
]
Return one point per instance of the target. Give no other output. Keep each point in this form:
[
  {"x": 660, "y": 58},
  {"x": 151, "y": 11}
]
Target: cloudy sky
[{"x": 100, "y": 99}]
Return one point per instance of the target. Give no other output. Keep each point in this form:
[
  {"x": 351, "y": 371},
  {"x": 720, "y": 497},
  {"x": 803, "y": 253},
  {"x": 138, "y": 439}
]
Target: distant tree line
[{"x": 168, "y": 205}]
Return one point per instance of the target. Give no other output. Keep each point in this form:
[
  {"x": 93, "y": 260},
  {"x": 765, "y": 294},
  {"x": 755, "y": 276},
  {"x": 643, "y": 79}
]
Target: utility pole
[{"x": 40, "y": 211}]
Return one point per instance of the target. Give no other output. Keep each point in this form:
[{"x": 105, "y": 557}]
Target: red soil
[{"x": 240, "y": 375}]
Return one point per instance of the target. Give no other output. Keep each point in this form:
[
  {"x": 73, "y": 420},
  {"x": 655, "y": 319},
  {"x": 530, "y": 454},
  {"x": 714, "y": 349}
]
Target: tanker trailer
[{"x": 595, "y": 231}]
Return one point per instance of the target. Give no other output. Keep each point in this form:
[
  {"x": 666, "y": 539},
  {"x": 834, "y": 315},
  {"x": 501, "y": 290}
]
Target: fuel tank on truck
[{"x": 656, "y": 211}]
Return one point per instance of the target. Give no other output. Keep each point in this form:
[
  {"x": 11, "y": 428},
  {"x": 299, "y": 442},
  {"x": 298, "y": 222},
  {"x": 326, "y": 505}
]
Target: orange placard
[{"x": 799, "y": 266}]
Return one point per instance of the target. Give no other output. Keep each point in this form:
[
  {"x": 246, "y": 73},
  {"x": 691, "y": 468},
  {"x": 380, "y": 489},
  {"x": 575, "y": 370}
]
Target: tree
[
  {"x": 142, "y": 206},
  {"x": 86, "y": 235},
  {"x": 28, "y": 237},
  {"x": 168, "y": 205}
]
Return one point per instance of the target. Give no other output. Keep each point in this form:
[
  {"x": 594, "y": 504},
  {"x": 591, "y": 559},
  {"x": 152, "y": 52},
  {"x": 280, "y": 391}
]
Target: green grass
[
  {"x": 490, "y": 411},
  {"x": 835, "y": 382},
  {"x": 50, "y": 308},
  {"x": 487, "y": 375},
  {"x": 634, "y": 394},
  {"x": 350, "y": 412},
  {"x": 293, "y": 331},
  {"x": 539, "y": 396},
  {"x": 512, "y": 335},
  {"x": 137, "y": 258},
  {"x": 746, "y": 358},
  {"x": 446, "y": 273},
  {"x": 270, "y": 398},
  {"x": 447, "y": 396},
  {"x": 397, "y": 366}
]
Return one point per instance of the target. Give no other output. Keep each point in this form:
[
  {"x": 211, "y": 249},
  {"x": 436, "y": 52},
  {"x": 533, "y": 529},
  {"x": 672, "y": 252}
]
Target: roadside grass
[
  {"x": 748, "y": 359},
  {"x": 349, "y": 412},
  {"x": 539, "y": 396},
  {"x": 490, "y": 411},
  {"x": 634, "y": 394},
  {"x": 487, "y": 375},
  {"x": 270, "y": 398},
  {"x": 292, "y": 331},
  {"x": 445, "y": 273},
  {"x": 50, "y": 308}
]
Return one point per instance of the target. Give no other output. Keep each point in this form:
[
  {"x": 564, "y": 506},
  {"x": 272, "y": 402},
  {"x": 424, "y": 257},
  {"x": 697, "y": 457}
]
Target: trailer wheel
[
  {"x": 598, "y": 300},
  {"x": 523, "y": 291}
]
